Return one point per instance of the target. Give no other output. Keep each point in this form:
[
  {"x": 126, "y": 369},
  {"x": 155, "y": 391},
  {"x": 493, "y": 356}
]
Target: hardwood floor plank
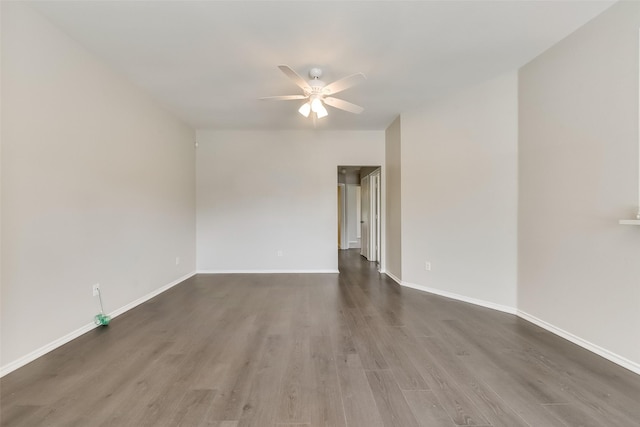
[
  {"x": 359, "y": 404},
  {"x": 486, "y": 400},
  {"x": 364, "y": 341},
  {"x": 394, "y": 409},
  {"x": 327, "y": 398},
  {"x": 221, "y": 424},
  {"x": 21, "y": 415},
  {"x": 192, "y": 409},
  {"x": 235, "y": 387},
  {"x": 573, "y": 416},
  {"x": 260, "y": 406},
  {"x": 427, "y": 409},
  {"x": 453, "y": 399},
  {"x": 295, "y": 395},
  {"x": 515, "y": 394},
  {"x": 341, "y": 336},
  {"x": 403, "y": 369}
]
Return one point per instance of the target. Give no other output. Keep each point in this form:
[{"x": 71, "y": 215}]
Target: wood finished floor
[{"x": 352, "y": 349}]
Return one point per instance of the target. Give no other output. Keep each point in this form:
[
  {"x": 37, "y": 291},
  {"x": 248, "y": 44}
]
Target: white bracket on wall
[{"x": 637, "y": 220}]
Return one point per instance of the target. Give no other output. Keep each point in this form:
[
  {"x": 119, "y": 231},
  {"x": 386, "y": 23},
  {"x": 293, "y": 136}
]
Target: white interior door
[
  {"x": 365, "y": 208},
  {"x": 371, "y": 216}
]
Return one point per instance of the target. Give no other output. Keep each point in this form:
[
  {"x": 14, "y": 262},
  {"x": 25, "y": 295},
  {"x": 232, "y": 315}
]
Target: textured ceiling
[{"x": 209, "y": 61}]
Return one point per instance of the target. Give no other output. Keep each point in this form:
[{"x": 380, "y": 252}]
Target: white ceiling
[{"x": 209, "y": 61}]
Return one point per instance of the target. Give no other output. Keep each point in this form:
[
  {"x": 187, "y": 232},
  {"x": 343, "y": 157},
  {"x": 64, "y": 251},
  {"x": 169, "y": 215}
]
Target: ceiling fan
[{"x": 318, "y": 93}]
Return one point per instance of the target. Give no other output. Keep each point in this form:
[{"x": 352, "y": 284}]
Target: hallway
[{"x": 353, "y": 349}]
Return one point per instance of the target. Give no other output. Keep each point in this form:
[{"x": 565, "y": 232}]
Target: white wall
[
  {"x": 578, "y": 269},
  {"x": 393, "y": 233},
  {"x": 459, "y": 193},
  {"x": 98, "y": 186},
  {"x": 260, "y": 192}
]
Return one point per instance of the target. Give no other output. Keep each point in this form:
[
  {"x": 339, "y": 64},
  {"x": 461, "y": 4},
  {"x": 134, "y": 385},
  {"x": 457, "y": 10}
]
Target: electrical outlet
[
  {"x": 427, "y": 266},
  {"x": 279, "y": 253},
  {"x": 177, "y": 260},
  {"x": 96, "y": 289}
]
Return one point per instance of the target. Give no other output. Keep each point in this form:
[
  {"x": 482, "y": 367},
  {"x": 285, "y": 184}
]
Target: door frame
[{"x": 382, "y": 211}]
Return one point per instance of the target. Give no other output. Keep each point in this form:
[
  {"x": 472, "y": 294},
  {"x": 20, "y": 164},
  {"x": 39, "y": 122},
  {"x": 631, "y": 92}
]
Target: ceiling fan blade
[
  {"x": 343, "y": 105},
  {"x": 283, "y": 97},
  {"x": 295, "y": 77},
  {"x": 344, "y": 83}
]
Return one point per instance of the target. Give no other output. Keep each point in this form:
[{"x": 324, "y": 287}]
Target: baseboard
[
  {"x": 19, "y": 363},
  {"x": 266, "y": 271},
  {"x": 393, "y": 277},
  {"x": 609, "y": 355},
  {"x": 150, "y": 295},
  {"x": 10, "y": 367},
  {"x": 457, "y": 297},
  {"x": 474, "y": 301}
]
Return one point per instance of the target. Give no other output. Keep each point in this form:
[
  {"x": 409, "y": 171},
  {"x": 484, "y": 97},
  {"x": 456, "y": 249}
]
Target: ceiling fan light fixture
[
  {"x": 305, "y": 109},
  {"x": 321, "y": 111},
  {"x": 316, "y": 105}
]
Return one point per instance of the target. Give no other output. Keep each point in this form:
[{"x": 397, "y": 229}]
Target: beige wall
[
  {"x": 459, "y": 193},
  {"x": 393, "y": 141},
  {"x": 249, "y": 207},
  {"x": 578, "y": 269},
  {"x": 97, "y": 187}
]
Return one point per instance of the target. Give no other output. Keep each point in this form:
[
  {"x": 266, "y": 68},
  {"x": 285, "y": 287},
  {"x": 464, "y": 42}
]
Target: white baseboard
[
  {"x": 19, "y": 363},
  {"x": 393, "y": 277},
  {"x": 457, "y": 297},
  {"x": 615, "y": 358},
  {"x": 12, "y": 366},
  {"x": 150, "y": 295},
  {"x": 479, "y": 302},
  {"x": 266, "y": 271}
]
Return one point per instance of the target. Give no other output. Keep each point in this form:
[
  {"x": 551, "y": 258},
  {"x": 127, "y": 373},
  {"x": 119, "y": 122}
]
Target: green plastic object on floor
[{"x": 102, "y": 319}]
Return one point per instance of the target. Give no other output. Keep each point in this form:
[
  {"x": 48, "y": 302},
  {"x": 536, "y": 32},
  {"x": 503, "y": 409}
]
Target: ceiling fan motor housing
[
  {"x": 315, "y": 73},
  {"x": 316, "y": 86}
]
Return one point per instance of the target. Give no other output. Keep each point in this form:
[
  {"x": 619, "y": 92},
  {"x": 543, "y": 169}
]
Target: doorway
[{"x": 359, "y": 210}]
